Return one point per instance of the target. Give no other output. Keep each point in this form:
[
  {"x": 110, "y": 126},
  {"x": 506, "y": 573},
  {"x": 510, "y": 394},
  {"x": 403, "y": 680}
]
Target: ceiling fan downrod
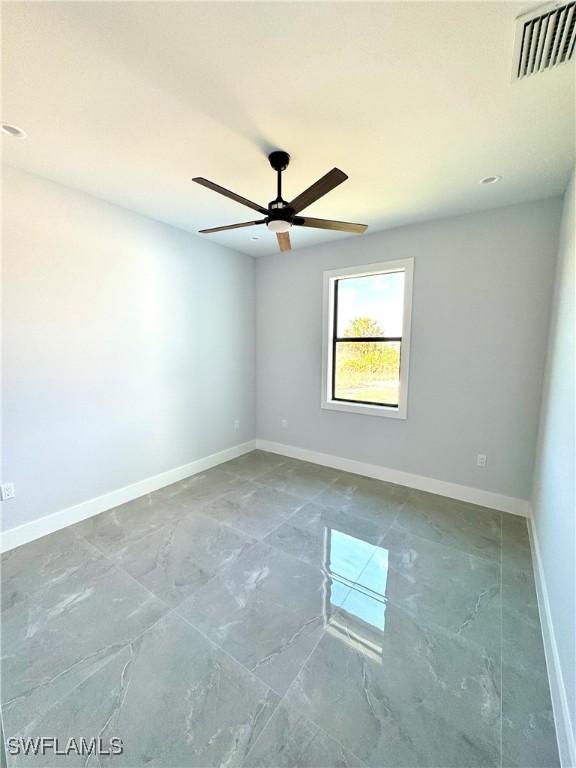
[{"x": 279, "y": 161}]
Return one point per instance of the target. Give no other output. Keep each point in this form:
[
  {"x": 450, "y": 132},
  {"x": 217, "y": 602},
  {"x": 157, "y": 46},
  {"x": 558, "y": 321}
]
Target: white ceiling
[{"x": 413, "y": 100}]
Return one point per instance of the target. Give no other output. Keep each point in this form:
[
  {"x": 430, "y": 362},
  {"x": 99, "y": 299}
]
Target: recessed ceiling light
[
  {"x": 254, "y": 237},
  {"x": 13, "y": 130},
  {"x": 490, "y": 179}
]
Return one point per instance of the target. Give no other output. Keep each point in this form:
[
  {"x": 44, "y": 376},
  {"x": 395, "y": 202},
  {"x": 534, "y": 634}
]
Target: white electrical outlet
[
  {"x": 7, "y": 491},
  {"x": 284, "y": 423},
  {"x": 481, "y": 460},
  {"x": 236, "y": 425}
]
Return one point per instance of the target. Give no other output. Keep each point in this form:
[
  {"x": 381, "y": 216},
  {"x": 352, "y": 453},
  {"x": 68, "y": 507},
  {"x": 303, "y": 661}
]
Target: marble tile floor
[{"x": 271, "y": 612}]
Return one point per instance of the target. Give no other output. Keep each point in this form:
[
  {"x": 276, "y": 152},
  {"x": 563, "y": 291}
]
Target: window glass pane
[
  {"x": 368, "y": 371},
  {"x": 371, "y": 305}
]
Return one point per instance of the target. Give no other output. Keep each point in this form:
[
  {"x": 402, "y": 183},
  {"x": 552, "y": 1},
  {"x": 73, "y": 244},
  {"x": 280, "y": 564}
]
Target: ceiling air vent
[{"x": 545, "y": 38}]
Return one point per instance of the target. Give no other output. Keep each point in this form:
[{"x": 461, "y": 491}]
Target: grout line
[
  {"x": 454, "y": 547},
  {"x": 311, "y": 720},
  {"x": 272, "y": 546},
  {"x": 322, "y": 633},
  {"x": 407, "y": 531},
  {"x": 108, "y": 556},
  {"x": 301, "y": 503},
  {"x": 376, "y": 546},
  {"x": 88, "y": 677},
  {"x": 289, "y": 688},
  {"x": 371, "y": 519},
  {"x": 176, "y": 507},
  {"x": 41, "y": 586},
  {"x": 340, "y": 508},
  {"x": 297, "y": 675},
  {"x": 419, "y": 621},
  {"x": 246, "y": 481},
  {"x": 226, "y": 653},
  {"x": 340, "y": 608},
  {"x": 442, "y": 631},
  {"x": 428, "y": 623},
  {"x": 337, "y": 741},
  {"x": 402, "y": 505},
  {"x": 280, "y": 524},
  {"x": 206, "y": 516},
  {"x": 304, "y": 502},
  {"x": 122, "y": 570},
  {"x": 356, "y": 515},
  {"x": 284, "y": 695},
  {"x": 171, "y": 608},
  {"x": 123, "y": 646},
  {"x": 252, "y": 675},
  {"x": 202, "y": 512}
]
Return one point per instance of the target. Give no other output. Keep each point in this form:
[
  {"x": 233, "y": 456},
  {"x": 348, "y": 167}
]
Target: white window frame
[{"x": 330, "y": 277}]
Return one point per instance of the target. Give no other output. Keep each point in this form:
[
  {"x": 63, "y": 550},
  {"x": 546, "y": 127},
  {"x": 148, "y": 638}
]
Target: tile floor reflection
[
  {"x": 356, "y": 574},
  {"x": 271, "y": 612}
]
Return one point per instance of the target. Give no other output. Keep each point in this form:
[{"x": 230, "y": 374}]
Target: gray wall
[
  {"x": 482, "y": 290},
  {"x": 553, "y": 501},
  {"x": 128, "y": 347}
]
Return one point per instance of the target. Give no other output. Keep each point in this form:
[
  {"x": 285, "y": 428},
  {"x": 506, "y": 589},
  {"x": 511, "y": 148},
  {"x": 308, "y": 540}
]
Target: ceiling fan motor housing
[
  {"x": 279, "y": 212},
  {"x": 279, "y": 160}
]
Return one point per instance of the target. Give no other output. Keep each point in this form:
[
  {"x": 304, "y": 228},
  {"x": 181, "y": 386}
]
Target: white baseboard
[
  {"x": 564, "y": 729},
  {"x": 14, "y": 537},
  {"x": 441, "y": 487},
  {"x": 22, "y": 534}
]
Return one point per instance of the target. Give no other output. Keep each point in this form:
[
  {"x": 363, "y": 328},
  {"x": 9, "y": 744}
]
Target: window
[{"x": 366, "y": 338}]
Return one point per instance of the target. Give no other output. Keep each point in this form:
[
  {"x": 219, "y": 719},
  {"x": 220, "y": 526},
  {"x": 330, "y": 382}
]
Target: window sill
[{"x": 365, "y": 410}]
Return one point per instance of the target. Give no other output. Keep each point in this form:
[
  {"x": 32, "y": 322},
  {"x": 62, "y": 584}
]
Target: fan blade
[
  {"x": 231, "y": 226},
  {"x": 284, "y": 241},
  {"x": 231, "y": 195},
  {"x": 318, "y": 189},
  {"x": 341, "y": 226}
]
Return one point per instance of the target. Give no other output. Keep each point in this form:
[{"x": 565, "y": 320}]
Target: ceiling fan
[{"x": 281, "y": 216}]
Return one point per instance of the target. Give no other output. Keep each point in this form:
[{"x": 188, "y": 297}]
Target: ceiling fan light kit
[
  {"x": 279, "y": 225},
  {"x": 280, "y": 215}
]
